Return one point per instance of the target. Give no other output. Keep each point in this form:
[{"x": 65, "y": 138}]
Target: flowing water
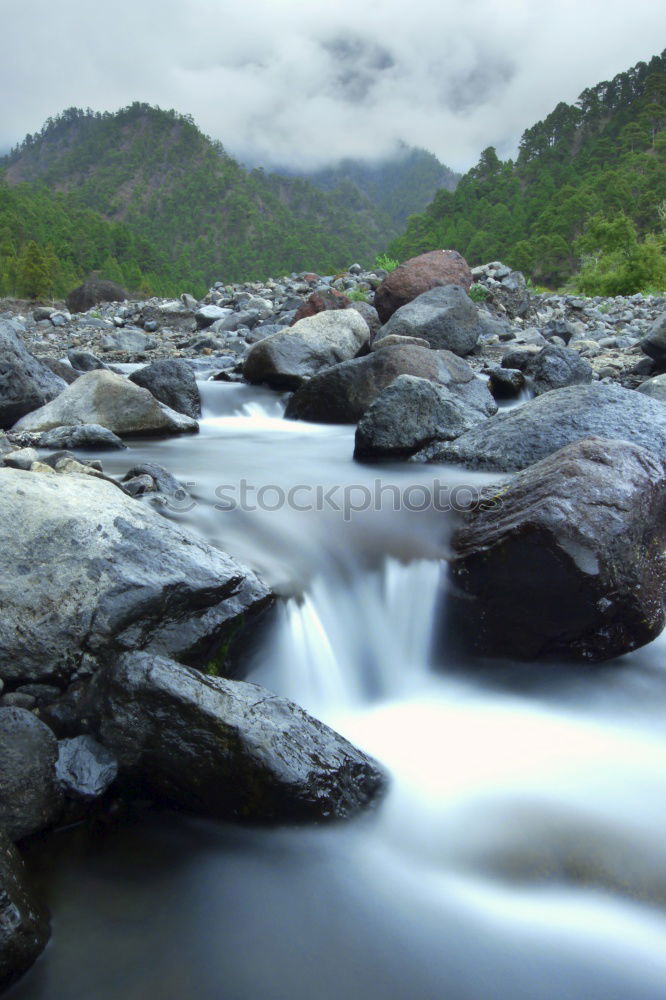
[{"x": 519, "y": 854}]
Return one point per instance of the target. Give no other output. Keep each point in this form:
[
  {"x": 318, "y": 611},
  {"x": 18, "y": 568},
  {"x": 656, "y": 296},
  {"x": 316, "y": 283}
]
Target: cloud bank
[{"x": 302, "y": 83}]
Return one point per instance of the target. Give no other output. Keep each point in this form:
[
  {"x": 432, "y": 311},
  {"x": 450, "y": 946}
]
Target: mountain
[
  {"x": 188, "y": 212},
  {"x": 398, "y": 186},
  {"x": 588, "y": 188}
]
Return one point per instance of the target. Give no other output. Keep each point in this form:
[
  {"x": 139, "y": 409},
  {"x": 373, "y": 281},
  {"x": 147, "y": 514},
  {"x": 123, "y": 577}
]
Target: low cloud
[{"x": 303, "y": 83}]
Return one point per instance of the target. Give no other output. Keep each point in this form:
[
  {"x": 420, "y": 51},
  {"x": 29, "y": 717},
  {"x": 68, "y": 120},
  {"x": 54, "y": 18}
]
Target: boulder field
[{"x": 117, "y": 624}]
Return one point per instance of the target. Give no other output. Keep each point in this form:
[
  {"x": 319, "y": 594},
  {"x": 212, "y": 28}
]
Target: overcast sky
[{"x": 304, "y": 82}]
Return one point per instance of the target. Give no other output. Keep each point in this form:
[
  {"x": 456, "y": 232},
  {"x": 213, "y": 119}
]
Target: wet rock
[
  {"x": 162, "y": 481},
  {"x": 286, "y": 359},
  {"x": 21, "y": 459},
  {"x": 82, "y": 437},
  {"x": 25, "y": 383},
  {"x": 445, "y": 317},
  {"x": 418, "y": 275},
  {"x": 520, "y": 357},
  {"x": 24, "y": 920},
  {"x": 86, "y": 571},
  {"x": 342, "y": 394},
  {"x": 30, "y": 799},
  {"x": 408, "y": 414},
  {"x": 102, "y": 397},
  {"x": 90, "y": 293},
  {"x": 556, "y": 367},
  {"x": 506, "y": 383},
  {"x": 172, "y": 382},
  {"x": 226, "y": 748},
  {"x": 84, "y": 768},
  {"x": 138, "y": 486},
  {"x": 526, "y": 434},
  {"x": 567, "y": 558}
]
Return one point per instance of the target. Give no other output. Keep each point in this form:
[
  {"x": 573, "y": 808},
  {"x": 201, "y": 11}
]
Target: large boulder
[
  {"x": 515, "y": 439},
  {"x": 285, "y": 360},
  {"x": 226, "y": 748},
  {"x": 24, "y": 920},
  {"x": 408, "y": 414},
  {"x": 30, "y": 796},
  {"x": 444, "y": 316},
  {"x": 323, "y": 301},
  {"x": 85, "y": 571},
  {"x": 654, "y": 344},
  {"x": 418, "y": 275},
  {"x": 556, "y": 367},
  {"x": 568, "y": 558},
  {"x": 102, "y": 397},
  {"x": 90, "y": 293},
  {"x": 25, "y": 383},
  {"x": 172, "y": 382},
  {"x": 342, "y": 394}
]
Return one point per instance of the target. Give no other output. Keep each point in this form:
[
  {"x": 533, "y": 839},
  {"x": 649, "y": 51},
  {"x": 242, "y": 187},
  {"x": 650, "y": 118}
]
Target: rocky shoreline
[{"x": 118, "y": 626}]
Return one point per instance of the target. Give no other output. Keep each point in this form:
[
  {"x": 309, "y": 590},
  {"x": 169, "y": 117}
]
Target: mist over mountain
[{"x": 199, "y": 215}]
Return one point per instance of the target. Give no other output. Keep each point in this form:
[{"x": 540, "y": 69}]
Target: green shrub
[
  {"x": 478, "y": 292},
  {"x": 385, "y": 262},
  {"x": 357, "y": 294}
]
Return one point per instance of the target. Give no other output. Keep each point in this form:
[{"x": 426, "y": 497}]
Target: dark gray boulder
[
  {"x": 84, "y": 361},
  {"x": 408, "y": 414},
  {"x": 85, "y": 769},
  {"x": 444, "y": 316},
  {"x": 86, "y": 571},
  {"x": 93, "y": 291},
  {"x": 506, "y": 383},
  {"x": 557, "y": 367},
  {"x": 25, "y": 383},
  {"x": 654, "y": 345},
  {"x": 226, "y": 748},
  {"x": 24, "y": 920},
  {"x": 60, "y": 368},
  {"x": 526, "y": 434},
  {"x": 568, "y": 558},
  {"x": 343, "y": 393},
  {"x": 173, "y": 383},
  {"x": 81, "y": 436},
  {"x": 30, "y": 797},
  {"x": 285, "y": 360}
]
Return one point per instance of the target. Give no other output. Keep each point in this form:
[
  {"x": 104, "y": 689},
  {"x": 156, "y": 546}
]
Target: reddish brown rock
[
  {"x": 419, "y": 275},
  {"x": 321, "y": 302}
]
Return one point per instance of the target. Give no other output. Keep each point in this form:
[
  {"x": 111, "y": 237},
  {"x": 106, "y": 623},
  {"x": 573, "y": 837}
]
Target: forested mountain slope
[
  {"x": 193, "y": 213},
  {"x": 588, "y": 181}
]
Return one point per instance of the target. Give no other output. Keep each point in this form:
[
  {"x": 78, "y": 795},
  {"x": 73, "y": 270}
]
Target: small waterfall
[{"x": 357, "y": 635}]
